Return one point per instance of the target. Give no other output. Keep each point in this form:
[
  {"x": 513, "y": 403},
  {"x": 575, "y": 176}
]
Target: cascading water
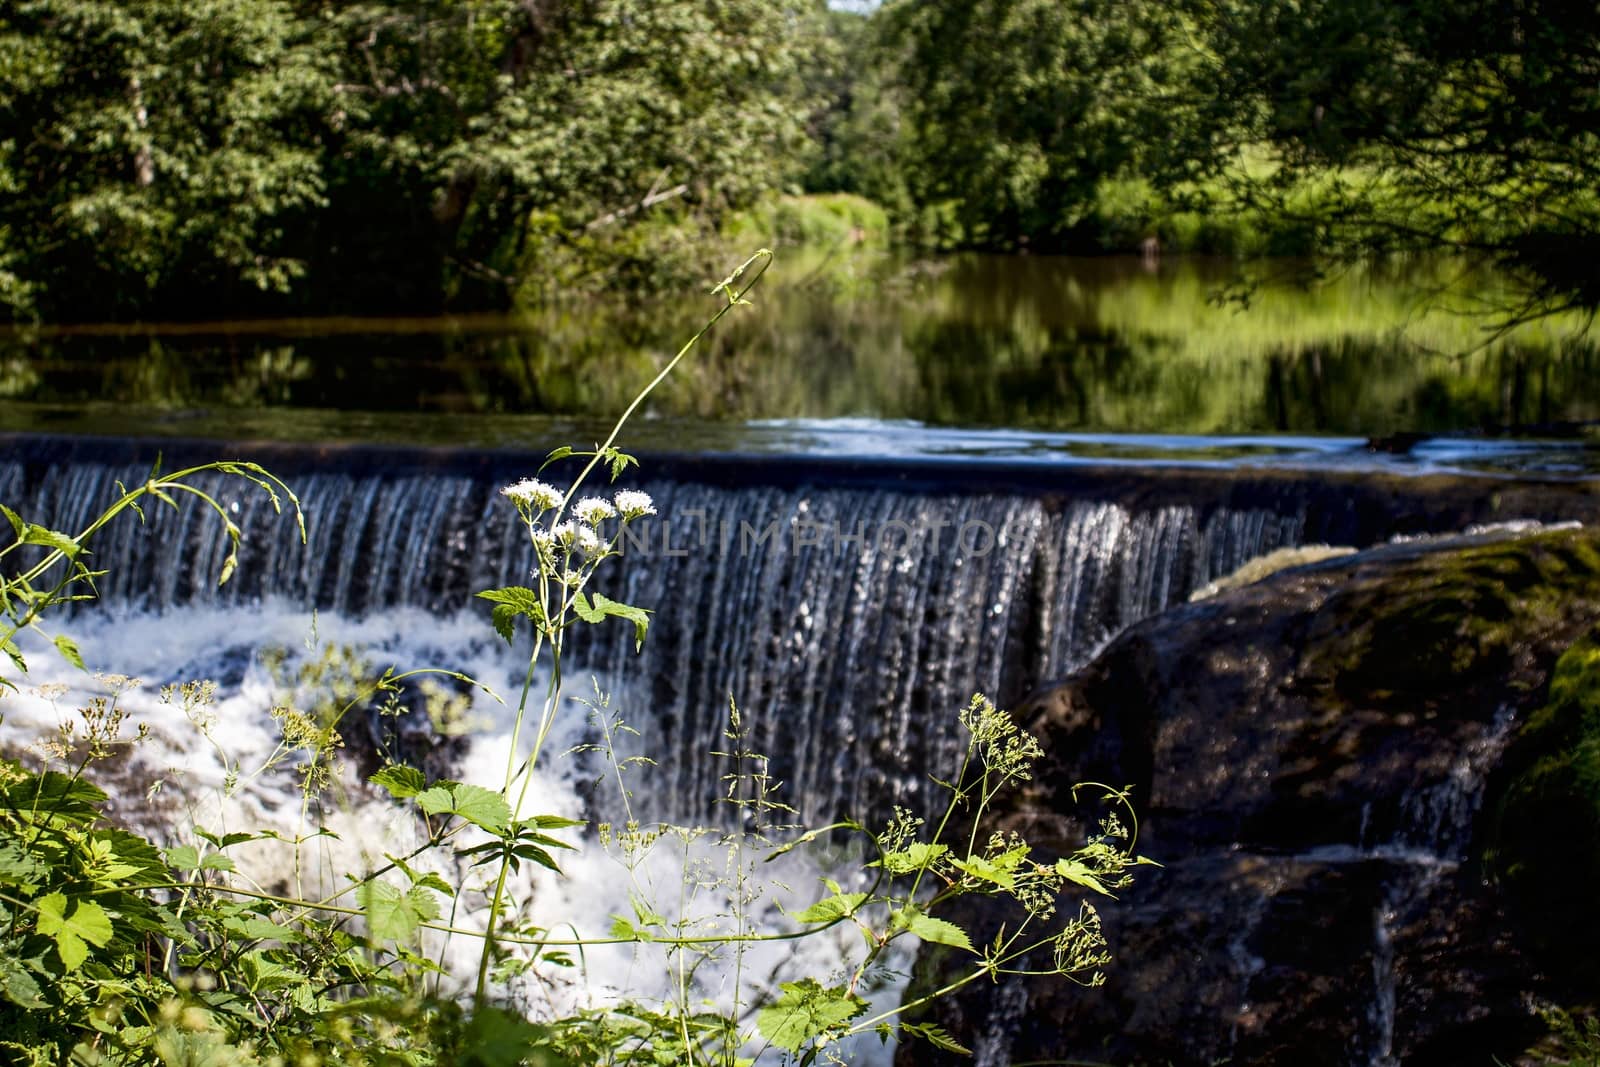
[
  {"x": 848, "y": 623},
  {"x": 844, "y": 621}
]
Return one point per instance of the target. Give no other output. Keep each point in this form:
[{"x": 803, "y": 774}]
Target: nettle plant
[{"x": 115, "y": 948}]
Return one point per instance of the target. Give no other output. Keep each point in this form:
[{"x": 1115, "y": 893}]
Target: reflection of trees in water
[
  {"x": 1358, "y": 385},
  {"x": 1026, "y": 342}
]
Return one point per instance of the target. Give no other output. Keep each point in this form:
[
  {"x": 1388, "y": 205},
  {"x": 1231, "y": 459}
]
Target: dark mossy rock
[
  {"x": 1321, "y": 761},
  {"x": 1543, "y": 842}
]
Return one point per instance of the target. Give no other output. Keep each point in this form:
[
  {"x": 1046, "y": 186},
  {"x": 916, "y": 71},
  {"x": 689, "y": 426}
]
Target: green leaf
[
  {"x": 53, "y": 793},
  {"x": 216, "y": 862},
  {"x": 935, "y": 1036},
  {"x": 510, "y": 602},
  {"x": 394, "y": 914},
  {"x": 555, "y": 822},
  {"x": 914, "y": 857},
  {"x": 400, "y": 782},
  {"x": 38, "y": 535},
  {"x": 983, "y": 870},
  {"x": 603, "y": 607},
  {"x": 580, "y": 604},
  {"x": 1076, "y": 872},
  {"x": 623, "y": 930},
  {"x": 422, "y": 878},
  {"x": 830, "y": 908},
  {"x": 262, "y": 973},
  {"x": 556, "y": 453},
  {"x": 806, "y": 1012},
  {"x": 255, "y": 928},
  {"x": 479, "y": 806},
  {"x": 504, "y": 621},
  {"x": 619, "y": 461},
  {"x": 18, "y": 986},
  {"x": 183, "y": 858},
  {"x": 88, "y": 922},
  {"x": 938, "y": 931},
  {"x": 17, "y": 525},
  {"x": 19, "y": 869}
]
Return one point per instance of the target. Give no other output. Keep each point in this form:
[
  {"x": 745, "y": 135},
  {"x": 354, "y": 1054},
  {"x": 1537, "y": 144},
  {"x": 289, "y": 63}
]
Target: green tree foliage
[
  {"x": 154, "y": 149},
  {"x": 1468, "y": 123},
  {"x": 1345, "y": 126},
  {"x": 160, "y": 155},
  {"x": 1015, "y": 109}
]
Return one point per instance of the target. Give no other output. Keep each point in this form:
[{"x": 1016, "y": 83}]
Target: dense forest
[{"x": 190, "y": 158}]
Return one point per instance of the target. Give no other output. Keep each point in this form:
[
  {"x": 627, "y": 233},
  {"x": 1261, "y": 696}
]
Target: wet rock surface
[{"x": 1318, "y": 761}]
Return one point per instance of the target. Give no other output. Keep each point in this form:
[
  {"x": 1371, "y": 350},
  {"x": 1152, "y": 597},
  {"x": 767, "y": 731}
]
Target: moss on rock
[
  {"x": 1453, "y": 621},
  {"x": 1544, "y": 840}
]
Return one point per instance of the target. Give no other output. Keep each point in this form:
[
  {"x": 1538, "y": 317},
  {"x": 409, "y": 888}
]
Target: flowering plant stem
[{"x": 550, "y": 625}]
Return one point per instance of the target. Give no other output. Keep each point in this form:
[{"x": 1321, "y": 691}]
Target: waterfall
[{"x": 848, "y": 622}]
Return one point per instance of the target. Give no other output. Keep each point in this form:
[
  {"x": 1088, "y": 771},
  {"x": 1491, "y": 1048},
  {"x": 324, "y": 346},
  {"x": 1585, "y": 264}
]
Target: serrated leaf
[
  {"x": 557, "y": 453},
  {"x": 255, "y": 928},
  {"x": 830, "y": 908},
  {"x": 394, "y": 914},
  {"x": 18, "y": 986},
  {"x": 805, "y": 1012},
  {"x": 938, "y": 931},
  {"x": 602, "y": 607},
  {"x": 510, "y": 602},
  {"x": 914, "y": 857},
  {"x": 935, "y": 1036},
  {"x": 38, "y": 535},
  {"x": 555, "y": 822},
  {"x": 183, "y": 858},
  {"x": 17, "y": 525},
  {"x": 580, "y": 604},
  {"x": 436, "y": 799},
  {"x": 19, "y": 869},
  {"x": 504, "y": 620},
  {"x": 400, "y": 782},
  {"x": 1077, "y": 873},
  {"x": 623, "y": 930},
  {"x": 620, "y": 461},
  {"x": 87, "y": 922},
  {"x": 985, "y": 871},
  {"x": 423, "y": 878},
  {"x": 216, "y": 862},
  {"x": 479, "y": 806}
]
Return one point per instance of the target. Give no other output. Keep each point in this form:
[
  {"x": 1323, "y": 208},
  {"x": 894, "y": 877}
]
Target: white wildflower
[
  {"x": 592, "y": 511},
  {"x": 541, "y": 537},
  {"x": 565, "y": 534},
  {"x": 588, "y": 540},
  {"x": 540, "y": 496},
  {"x": 632, "y": 503}
]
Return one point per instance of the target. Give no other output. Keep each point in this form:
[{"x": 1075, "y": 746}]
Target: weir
[{"x": 848, "y": 606}]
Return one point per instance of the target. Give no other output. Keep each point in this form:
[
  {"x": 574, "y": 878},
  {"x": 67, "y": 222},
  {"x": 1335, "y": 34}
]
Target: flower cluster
[
  {"x": 533, "y": 494},
  {"x": 633, "y": 504},
  {"x": 592, "y": 511},
  {"x": 579, "y": 532}
]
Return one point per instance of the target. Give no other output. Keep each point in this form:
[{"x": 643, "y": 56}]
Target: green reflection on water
[{"x": 1102, "y": 345}]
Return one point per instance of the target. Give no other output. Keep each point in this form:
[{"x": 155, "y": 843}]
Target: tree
[
  {"x": 1015, "y": 109},
  {"x": 1471, "y": 125},
  {"x": 369, "y": 155},
  {"x": 156, "y": 151}
]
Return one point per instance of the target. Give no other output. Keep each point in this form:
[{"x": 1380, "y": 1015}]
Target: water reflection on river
[{"x": 1050, "y": 344}]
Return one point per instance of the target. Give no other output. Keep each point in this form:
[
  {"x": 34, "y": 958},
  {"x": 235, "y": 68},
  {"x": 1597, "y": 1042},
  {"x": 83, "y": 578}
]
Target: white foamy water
[{"x": 205, "y": 770}]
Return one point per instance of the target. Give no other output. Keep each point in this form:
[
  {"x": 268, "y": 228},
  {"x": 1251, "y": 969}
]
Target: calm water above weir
[{"x": 1042, "y": 345}]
